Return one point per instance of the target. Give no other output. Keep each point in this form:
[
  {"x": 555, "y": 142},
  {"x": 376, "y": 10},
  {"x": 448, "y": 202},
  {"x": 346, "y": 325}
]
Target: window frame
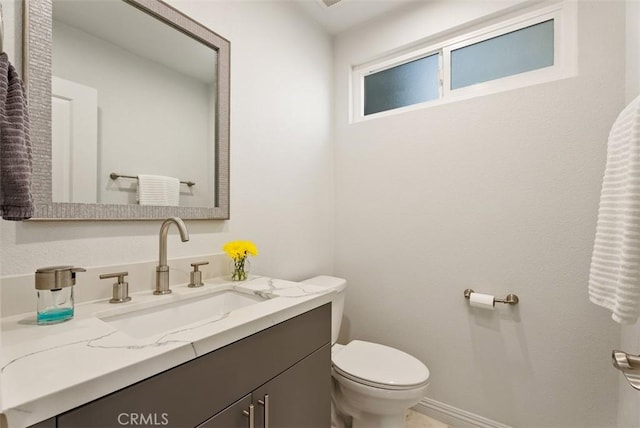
[
  {"x": 393, "y": 64},
  {"x": 564, "y": 16}
]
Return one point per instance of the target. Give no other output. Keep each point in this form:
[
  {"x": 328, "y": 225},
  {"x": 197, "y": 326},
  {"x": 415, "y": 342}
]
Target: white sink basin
[{"x": 171, "y": 316}]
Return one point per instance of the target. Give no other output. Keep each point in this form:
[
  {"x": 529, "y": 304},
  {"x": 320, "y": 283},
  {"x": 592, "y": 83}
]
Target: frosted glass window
[
  {"x": 517, "y": 52},
  {"x": 403, "y": 85}
]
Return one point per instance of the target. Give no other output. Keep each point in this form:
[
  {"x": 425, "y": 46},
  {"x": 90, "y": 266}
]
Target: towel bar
[
  {"x": 114, "y": 176},
  {"x": 629, "y": 365}
]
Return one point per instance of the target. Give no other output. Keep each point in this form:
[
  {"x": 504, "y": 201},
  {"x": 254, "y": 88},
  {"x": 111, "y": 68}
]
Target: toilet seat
[{"x": 379, "y": 366}]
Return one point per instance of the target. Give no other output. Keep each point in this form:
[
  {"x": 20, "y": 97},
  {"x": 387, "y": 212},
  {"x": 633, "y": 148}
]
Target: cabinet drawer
[{"x": 189, "y": 394}]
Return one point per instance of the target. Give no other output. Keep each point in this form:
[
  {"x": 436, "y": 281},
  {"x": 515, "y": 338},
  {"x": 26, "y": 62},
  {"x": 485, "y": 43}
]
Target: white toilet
[{"x": 373, "y": 384}]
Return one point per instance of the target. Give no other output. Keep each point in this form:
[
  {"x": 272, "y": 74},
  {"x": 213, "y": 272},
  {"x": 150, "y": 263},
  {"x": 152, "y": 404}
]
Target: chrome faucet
[{"x": 162, "y": 270}]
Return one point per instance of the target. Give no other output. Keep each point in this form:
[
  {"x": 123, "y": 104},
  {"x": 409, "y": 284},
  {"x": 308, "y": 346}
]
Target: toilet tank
[{"x": 337, "y": 303}]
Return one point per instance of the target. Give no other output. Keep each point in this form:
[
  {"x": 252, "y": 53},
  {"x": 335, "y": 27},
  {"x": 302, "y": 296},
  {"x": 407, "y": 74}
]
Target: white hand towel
[
  {"x": 614, "y": 278},
  {"x": 158, "y": 190}
]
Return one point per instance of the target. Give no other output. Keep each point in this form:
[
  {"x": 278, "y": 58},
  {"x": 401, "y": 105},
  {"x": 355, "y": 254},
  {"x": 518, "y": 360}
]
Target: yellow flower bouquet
[{"x": 239, "y": 251}]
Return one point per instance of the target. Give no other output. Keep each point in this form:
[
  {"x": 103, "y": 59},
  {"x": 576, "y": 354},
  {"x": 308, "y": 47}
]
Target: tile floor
[{"x": 418, "y": 420}]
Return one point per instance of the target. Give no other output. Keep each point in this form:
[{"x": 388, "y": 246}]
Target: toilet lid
[{"x": 380, "y": 365}]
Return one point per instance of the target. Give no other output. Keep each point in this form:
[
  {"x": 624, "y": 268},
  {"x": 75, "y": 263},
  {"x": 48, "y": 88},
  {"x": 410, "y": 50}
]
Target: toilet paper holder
[{"x": 511, "y": 299}]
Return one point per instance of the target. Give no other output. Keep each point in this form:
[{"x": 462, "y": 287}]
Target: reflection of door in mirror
[
  {"x": 156, "y": 94},
  {"x": 74, "y": 145}
]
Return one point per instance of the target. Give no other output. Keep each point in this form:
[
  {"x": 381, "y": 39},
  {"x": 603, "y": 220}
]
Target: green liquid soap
[{"x": 53, "y": 316}]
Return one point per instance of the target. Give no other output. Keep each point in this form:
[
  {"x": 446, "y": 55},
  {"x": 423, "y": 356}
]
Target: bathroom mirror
[{"x": 175, "y": 123}]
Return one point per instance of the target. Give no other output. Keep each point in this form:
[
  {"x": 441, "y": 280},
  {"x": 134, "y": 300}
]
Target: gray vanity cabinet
[
  {"x": 289, "y": 362},
  {"x": 297, "y": 398},
  {"x": 49, "y": 423}
]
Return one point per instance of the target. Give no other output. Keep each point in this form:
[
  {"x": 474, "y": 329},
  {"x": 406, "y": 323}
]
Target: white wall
[
  {"x": 498, "y": 193},
  {"x": 633, "y": 49},
  {"x": 281, "y": 191},
  {"x": 629, "y": 398}
]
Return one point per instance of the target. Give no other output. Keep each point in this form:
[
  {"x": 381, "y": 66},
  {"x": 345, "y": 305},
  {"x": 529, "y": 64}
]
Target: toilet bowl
[{"x": 373, "y": 384}]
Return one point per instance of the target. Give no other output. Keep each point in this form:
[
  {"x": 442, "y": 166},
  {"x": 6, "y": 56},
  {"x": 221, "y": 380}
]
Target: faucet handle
[
  {"x": 196, "y": 275},
  {"x": 196, "y": 264},
  {"x": 120, "y": 288}
]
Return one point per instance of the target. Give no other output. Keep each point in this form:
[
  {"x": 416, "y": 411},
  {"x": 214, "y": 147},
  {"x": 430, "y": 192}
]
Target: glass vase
[{"x": 240, "y": 269}]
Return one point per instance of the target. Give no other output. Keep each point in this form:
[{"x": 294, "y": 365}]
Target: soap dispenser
[{"x": 54, "y": 286}]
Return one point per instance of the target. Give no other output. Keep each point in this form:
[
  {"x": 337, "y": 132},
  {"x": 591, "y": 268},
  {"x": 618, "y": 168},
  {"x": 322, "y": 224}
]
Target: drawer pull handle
[
  {"x": 250, "y": 414},
  {"x": 265, "y": 403}
]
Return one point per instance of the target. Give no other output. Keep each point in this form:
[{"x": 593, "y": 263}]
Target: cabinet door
[
  {"x": 232, "y": 416},
  {"x": 298, "y": 398},
  {"x": 49, "y": 423}
]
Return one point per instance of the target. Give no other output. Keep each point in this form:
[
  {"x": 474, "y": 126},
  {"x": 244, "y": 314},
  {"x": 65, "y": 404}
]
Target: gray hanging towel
[{"x": 16, "y": 165}]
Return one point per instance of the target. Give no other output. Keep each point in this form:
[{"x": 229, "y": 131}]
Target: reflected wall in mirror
[{"x": 133, "y": 87}]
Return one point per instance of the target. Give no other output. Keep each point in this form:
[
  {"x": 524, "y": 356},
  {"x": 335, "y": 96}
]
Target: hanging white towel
[
  {"x": 614, "y": 278},
  {"x": 158, "y": 190}
]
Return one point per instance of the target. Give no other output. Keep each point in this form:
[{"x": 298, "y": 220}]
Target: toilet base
[
  {"x": 362, "y": 406},
  {"x": 365, "y": 420}
]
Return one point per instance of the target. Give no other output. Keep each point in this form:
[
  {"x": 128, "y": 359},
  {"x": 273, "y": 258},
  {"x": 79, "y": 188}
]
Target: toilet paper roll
[{"x": 484, "y": 301}]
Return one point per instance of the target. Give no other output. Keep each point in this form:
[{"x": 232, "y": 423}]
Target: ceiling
[{"x": 345, "y": 14}]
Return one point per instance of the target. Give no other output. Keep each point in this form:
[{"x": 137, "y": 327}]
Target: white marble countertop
[{"x": 47, "y": 370}]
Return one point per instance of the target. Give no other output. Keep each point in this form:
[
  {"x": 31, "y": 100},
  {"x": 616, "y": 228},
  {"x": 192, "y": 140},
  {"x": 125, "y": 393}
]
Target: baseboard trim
[{"x": 453, "y": 416}]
